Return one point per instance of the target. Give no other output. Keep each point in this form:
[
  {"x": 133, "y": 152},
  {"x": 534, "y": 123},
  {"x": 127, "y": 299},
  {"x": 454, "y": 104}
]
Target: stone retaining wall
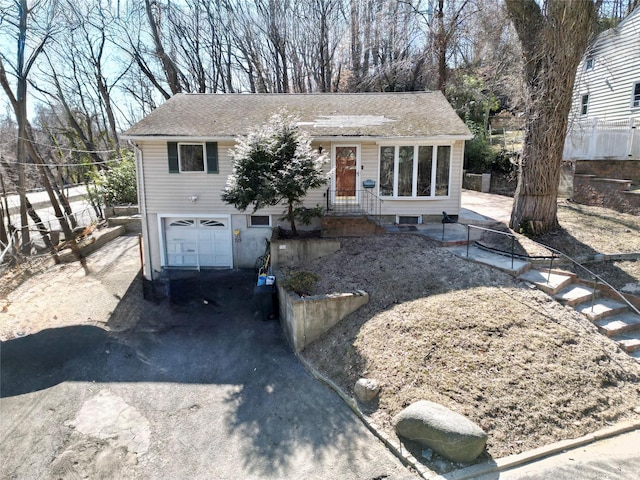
[
  {"x": 606, "y": 192},
  {"x": 620, "y": 169}
]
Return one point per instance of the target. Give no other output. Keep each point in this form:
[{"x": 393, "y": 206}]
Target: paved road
[
  {"x": 616, "y": 458},
  {"x": 196, "y": 389}
]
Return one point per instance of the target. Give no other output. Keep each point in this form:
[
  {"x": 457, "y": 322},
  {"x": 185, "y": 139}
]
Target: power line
[
  {"x": 69, "y": 149},
  {"x": 119, "y": 159}
]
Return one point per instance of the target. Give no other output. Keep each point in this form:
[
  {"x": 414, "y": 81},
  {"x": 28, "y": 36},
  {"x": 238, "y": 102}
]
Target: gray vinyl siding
[{"x": 609, "y": 84}]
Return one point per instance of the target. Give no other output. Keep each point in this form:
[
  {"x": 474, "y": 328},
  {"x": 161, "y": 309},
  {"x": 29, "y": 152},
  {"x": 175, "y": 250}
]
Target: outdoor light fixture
[{"x": 193, "y": 198}]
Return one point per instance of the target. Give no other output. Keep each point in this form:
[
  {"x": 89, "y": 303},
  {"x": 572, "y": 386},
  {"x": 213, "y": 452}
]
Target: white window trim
[
  {"x": 358, "y": 147},
  {"x": 434, "y": 168},
  {"x": 161, "y": 216},
  {"x": 419, "y": 217},
  {"x": 204, "y": 158},
  {"x": 258, "y": 226},
  {"x": 633, "y": 91},
  {"x": 588, "y": 95},
  {"x": 589, "y": 58}
]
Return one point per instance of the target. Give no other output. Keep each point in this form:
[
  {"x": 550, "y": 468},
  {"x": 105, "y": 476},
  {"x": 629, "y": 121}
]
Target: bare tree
[
  {"x": 20, "y": 22},
  {"x": 554, "y": 36}
]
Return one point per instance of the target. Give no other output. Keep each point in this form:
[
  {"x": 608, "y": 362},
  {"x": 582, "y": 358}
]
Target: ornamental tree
[{"x": 274, "y": 163}]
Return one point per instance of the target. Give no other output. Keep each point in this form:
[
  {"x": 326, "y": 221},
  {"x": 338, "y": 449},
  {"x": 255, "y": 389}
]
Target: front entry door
[{"x": 346, "y": 171}]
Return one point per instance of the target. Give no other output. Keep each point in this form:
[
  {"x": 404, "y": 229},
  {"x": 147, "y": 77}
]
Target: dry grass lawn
[{"x": 525, "y": 368}]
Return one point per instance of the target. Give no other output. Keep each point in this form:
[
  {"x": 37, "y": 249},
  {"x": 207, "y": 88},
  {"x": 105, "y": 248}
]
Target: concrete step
[
  {"x": 132, "y": 224},
  {"x": 602, "y": 308},
  {"x": 629, "y": 342},
  {"x": 550, "y": 283},
  {"x": 618, "y": 324},
  {"x": 575, "y": 294},
  {"x": 475, "y": 254}
]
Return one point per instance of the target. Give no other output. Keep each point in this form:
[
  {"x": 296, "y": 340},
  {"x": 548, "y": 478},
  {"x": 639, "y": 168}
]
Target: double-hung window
[
  {"x": 635, "y": 97},
  {"x": 584, "y": 104},
  {"x": 590, "y": 63},
  {"x": 192, "y": 157},
  {"x": 414, "y": 171}
]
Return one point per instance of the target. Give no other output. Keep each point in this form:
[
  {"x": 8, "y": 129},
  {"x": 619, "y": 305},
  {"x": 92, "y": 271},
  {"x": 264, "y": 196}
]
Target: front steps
[
  {"x": 612, "y": 317},
  {"x": 350, "y": 225}
]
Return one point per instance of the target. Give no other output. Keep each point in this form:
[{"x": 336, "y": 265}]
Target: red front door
[{"x": 346, "y": 165}]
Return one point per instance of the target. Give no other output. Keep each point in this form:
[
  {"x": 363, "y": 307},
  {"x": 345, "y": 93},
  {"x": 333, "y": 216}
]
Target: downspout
[
  {"x": 632, "y": 128},
  {"x": 142, "y": 205}
]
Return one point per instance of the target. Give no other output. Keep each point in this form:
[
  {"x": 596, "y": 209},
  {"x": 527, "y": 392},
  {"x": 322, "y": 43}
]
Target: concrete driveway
[{"x": 196, "y": 389}]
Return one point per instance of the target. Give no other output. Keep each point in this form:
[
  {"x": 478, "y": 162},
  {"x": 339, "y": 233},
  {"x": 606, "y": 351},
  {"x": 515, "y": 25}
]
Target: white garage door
[{"x": 198, "y": 242}]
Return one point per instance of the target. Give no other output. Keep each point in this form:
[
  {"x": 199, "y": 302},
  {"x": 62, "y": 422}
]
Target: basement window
[
  {"x": 259, "y": 221},
  {"x": 409, "y": 220}
]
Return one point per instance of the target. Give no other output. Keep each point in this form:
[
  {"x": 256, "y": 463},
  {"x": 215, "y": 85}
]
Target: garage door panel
[{"x": 203, "y": 242}]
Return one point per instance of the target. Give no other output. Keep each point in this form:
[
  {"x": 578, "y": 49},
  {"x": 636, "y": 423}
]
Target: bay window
[{"x": 410, "y": 171}]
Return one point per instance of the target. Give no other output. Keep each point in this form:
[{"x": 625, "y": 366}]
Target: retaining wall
[
  {"x": 606, "y": 192},
  {"x": 304, "y": 319},
  {"x": 290, "y": 253}
]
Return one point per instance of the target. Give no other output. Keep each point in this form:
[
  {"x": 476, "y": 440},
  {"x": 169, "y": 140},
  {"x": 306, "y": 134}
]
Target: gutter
[{"x": 142, "y": 205}]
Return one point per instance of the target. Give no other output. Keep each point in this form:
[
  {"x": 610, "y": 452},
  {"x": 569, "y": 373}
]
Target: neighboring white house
[
  {"x": 407, "y": 148},
  {"x": 605, "y": 116}
]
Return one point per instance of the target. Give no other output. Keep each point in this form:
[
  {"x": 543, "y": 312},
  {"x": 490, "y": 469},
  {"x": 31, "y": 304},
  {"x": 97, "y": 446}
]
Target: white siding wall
[
  {"x": 431, "y": 206},
  {"x": 609, "y": 84},
  {"x": 168, "y": 194}
]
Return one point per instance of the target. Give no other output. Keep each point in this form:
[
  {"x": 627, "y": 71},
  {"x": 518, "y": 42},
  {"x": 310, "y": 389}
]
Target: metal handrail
[
  {"x": 556, "y": 254},
  {"x": 362, "y": 202}
]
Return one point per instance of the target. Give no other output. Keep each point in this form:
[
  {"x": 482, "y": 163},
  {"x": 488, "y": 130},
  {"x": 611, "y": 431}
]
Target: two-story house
[{"x": 606, "y": 99}]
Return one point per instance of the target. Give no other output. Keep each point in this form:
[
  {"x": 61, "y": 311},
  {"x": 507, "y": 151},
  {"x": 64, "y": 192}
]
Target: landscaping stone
[
  {"x": 448, "y": 433},
  {"x": 366, "y": 389}
]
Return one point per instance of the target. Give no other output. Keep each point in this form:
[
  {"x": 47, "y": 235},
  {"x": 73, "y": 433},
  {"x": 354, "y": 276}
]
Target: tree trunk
[
  {"x": 292, "y": 220},
  {"x": 41, "y": 228},
  {"x": 553, "y": 42}
]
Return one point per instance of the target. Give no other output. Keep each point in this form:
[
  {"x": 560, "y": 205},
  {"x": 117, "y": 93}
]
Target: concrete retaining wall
[
  {"x": 92, "y": 243},
  {"x": 120, "y": 211},
  {"x": 480, "y": 182},
  {"x": 290, "y": 253},
  {"x": 305, "y": 319}
]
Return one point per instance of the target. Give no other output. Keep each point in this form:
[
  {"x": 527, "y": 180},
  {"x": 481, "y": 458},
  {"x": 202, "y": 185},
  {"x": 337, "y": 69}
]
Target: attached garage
[{"x": 195, "y": 242}]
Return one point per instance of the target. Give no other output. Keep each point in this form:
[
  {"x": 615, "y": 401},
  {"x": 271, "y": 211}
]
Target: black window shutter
[
  {"x": 212, "y": 157},
  {"x": 172, "y": 152}
]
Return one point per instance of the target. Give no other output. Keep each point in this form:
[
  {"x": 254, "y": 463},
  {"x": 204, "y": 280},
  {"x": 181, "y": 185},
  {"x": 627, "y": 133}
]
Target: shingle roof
[{"x": 386, "y": 115}]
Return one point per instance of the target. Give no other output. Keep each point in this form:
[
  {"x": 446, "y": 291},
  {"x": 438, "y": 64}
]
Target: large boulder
[{"x": 452, "y": 435}]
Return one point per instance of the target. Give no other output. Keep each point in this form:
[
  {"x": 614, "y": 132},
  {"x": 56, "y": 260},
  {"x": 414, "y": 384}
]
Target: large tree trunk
[{"x": 553, "y": 42}]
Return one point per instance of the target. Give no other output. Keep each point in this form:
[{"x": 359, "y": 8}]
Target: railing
[
  {"x": 597, "y": 139},
  {"x": 555, "y": 254},
  {"x": 354, "y": 202}
]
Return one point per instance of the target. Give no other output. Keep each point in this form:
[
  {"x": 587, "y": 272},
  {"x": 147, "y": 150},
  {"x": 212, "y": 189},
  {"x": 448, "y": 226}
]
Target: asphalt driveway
[{"x": 201, "y": 388}]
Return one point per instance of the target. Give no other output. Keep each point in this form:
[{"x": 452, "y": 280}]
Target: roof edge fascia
[
  {"x": 176, "y": 138},
  {"x": 319, "y": 138}
]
